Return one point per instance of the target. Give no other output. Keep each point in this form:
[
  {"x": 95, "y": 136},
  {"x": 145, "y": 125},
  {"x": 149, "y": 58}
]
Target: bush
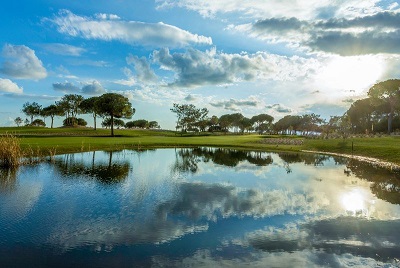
[
  {"x": 10, "y": 151},
  {"x": 38, "y": 123},
  {"x": 72, "y": 122}
]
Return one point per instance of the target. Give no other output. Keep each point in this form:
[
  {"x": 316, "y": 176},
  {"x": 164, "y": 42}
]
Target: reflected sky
[{"x": 202, "y": 207}]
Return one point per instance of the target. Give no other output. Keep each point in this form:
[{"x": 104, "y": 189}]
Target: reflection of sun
[{"x": 353, "y": 202}]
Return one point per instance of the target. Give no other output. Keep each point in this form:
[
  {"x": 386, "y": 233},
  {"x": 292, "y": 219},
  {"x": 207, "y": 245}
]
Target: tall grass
[{"x": 10, "y": 151}]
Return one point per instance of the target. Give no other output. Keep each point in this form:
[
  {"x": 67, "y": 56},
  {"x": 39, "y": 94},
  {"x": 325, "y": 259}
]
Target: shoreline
[{"x": 374, "y": 161}]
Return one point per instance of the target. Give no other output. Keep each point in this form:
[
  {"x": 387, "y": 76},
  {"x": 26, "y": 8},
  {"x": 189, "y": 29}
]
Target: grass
[
  {"x": 10, "y": 151},
  {"x": 44, "y": 141}
]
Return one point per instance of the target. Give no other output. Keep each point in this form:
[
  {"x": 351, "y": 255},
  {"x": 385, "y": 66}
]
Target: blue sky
[{"x": 257, "y": 56}]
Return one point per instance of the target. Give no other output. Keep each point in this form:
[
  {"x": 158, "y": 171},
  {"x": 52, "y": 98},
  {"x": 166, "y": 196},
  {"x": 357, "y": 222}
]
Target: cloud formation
[
  {"x": 355, "y": 36},
  {"x": 64, "y": 49},
  {"x": 303, "y": 9},
  {"x": 66, "y": 87},
  {"x": 22, "y": 63},
  {"x": 142, "y": 67},
  {"x": 280, "y": 108},
  {"x": 197, "y": 68},
  {"x": 107, "y": 28},
  {"x": 6, "y": 85},
  {"x": 235, "y": 105},
  {"x": 92, "y": 88}
]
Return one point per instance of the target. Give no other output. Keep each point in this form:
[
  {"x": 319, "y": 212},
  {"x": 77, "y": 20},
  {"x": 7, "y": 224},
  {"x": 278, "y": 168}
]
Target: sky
[{"x": 278, "y": 57}]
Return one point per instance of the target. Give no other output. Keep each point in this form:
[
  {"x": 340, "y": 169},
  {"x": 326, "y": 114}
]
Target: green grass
[
  {"x": 69, "y": 140},
  {"x": 384, "y": 148}
]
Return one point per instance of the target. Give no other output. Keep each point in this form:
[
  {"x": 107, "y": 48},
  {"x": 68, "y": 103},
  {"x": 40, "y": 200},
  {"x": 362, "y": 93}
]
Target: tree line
[
  {"x": 377, "y": 113},
  {"x": 110, "y": 106}
]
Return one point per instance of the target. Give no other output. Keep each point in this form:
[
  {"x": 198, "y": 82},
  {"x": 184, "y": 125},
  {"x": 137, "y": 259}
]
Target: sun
[{"x": 353, "y": 74}]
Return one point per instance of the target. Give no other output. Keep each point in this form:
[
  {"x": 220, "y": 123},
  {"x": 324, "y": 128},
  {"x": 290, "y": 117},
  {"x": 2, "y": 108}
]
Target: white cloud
[
  {"x": 93, "y": 88},
  {"x": 236, "y": 105},
  {"x": 22, "y": 63},
  {"x": 130, "y": 79},
  {"x": 196, "y": 68},
  {"x": 103, "y": 16},
  {"x": 261, "y": 9},
  {"x": 88, "y": 88},
  {"x": 279, "y": 108},
  {"x": 130, "y": 32},
  {"x": 66, "y": 87},
  {"x": 64, "y": 49},
  {"x": 142, "y": 67},
  {"x": 6, "y": 85},
  {"x": 344, "y": 36}
]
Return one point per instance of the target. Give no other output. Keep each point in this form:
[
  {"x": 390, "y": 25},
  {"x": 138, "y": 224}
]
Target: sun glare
[
  {"x": 353, "y": 202},
  {"x": 351, "y": 74}
]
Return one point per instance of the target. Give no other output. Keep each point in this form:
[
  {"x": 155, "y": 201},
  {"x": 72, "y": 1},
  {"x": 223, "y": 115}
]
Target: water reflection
[
  {"x": 385, "y": 184},
  {"x": 187, "y": 159},
  {"x": 8, "y": 180},
  {"x": 107, "y": 173},
  {"x": 199, "y": 207}
]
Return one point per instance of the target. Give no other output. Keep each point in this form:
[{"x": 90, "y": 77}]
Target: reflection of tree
[
  {"x": 8, "y": 180},
  {"x": 307, "y": 159},
  {"x": 187, "y": 159},
  {"x": 385, "y": 184},
  {"x": 105, "y": 173}
]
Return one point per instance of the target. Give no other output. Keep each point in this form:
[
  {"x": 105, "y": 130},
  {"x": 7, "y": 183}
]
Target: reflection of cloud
[
  {"x": 108, "y": 232},
  {"x": 355, "y": 236},
  {"x": 226, "y": 258},
  {"x": 197, "y": 200},
  {"x": 18, "y": 204}
]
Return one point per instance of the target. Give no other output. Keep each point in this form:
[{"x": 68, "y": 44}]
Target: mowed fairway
[{"x": 69, "y": 140}]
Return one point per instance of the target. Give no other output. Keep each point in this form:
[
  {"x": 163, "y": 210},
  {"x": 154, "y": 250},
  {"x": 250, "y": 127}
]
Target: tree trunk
[
  {"x": 390, "y": 119},
  {"x": 94, "y": 118},
  {"x": 52, "y": 119},
  {"x": 112, "y": 125}
]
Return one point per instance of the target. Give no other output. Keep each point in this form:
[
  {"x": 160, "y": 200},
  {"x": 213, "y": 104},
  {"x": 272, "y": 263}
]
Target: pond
[{"x": 199, "y": 207}]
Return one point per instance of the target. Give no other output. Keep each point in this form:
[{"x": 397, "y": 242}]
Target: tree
[
  {"x": 38, "y": 123},
  {"x": 263, "y": 120},
  {"x": 227, "y": 121},
  {"x": 188, "y": 115},
  {"x": 387, "y": 93},
  {"x": 26, "y": 122},
  {"x": 360, "y": 114},
  {"x": 88, "y": 106},
  {"x": 115, "y": 106},
  {"x": 52, "y": 111},
  {"x": 18, "y": 121},
  {"x": 154, "y": 124},
  {"x": 70, "y": 105},
  {"x": 141, "y": 123},
  {"x": 245, "y": 124},
  {"x": 31, "y": 109},
  {"x": 117, "y": 122}
]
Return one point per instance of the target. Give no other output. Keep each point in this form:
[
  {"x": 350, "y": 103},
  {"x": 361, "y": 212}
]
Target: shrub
[
  {"x": 38, "y": 123},
  {"x": 72, "y": 121},
  {"x": 10, "y": 151}
]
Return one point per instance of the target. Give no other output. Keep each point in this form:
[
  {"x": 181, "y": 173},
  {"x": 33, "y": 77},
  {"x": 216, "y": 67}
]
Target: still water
[{"x": 199, "y": 208}]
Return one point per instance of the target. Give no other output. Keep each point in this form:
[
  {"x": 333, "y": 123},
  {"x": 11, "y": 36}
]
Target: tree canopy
[
  {"x": 386, "y": 93},
  {"x": 114, "y": 105},
  {"x": 31, "y": 109}
]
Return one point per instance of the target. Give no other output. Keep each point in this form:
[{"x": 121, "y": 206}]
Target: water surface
[{"x": 199, "y": 207}]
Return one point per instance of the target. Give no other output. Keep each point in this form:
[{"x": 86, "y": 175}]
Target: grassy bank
[{"x": 68, "y": 140}]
